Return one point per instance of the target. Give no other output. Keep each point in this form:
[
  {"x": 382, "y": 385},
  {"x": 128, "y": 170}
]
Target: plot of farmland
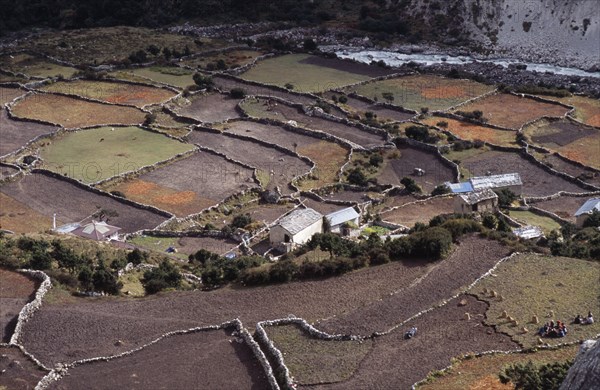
[
  {"x": 513, "y": 111},
  {"x": 210, "y": 108},
  {"x": 6, "y": 171},
  {"x": 185, "y": 245},
  {"x": 422, "y": 212},
  {"x": 564, "y": 206},
  {"x": 227, "y": 84},
  {"x": 276, "y": 168},
  {"x": 398, "y": 167},
  {"x": 15, "y": 134},
  {"x": 536, "y": 180},
  {"x": 569, "y": 138},
  {"x": 189, "y": 359},
  {"x": 350, "y": 133},
  {"x": 18, "y": 371},
  {"x": 362, "y": 106},
  {"x": 47, "y": 195},
  {"x": 310, "y": 73},
  {"x": 8, "y": 94},
  {"x": 471, "y": 132},
  {"x": 16, "y": 290},
  {"x": 188, "y": 185},
  {"x": 34, "y": 66},
  {"x": 587, "y": 109},
  {"x": 417, "y": 91},
  {"x": 73, "y": 113},
  {"x": 97, "y": 154},
  {"x": 18, "y": 217},
  {"x": 174, "y": 76},
  {"x": 535, "y": 285},
  {"x": 232, "y": 59},
  {"x": 113, "y": 92}
]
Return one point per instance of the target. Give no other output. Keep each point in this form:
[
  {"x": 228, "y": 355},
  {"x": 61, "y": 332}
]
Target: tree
[
  {"x": 136, "y": 257},
  {"x": 40, "y": 260},
  {"x": 166, "y": 275},
  {"x": 283, "y": 271},
  {"x": 203, "y": 257},
  {"x": 237, "y": 93},
  {"x": 202, "y": 81},
  {"x": 221, "y": 65},
  {"x": 432, "y": 243},
  {"x": 410, "y": 185},
  {"x": 357, "y": 177},
  {"x": 309, "y": 44},
  {"x": 153, "y": 49},
  {"x": 440, "y": 190},
  {"x": 593, "y": 220},
  {"x": 505, "y": 197},
  {"x": 490, "y": 221},
  {"x": 105, "y": 281},
  {"x": 375, "y": 159},
  {"x": 241, "y": 221},
  {"x": 138, "y": 57},
  {"x": 167, "y": 53},
  {"x": 66, "y": 257},
  {"x": 85, "y": 278},
  {"x": 419, "y": 133}
]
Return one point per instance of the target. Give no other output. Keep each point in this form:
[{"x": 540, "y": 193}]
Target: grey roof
[
  {"x": 478, "y": 196},
  {"x": 528, "y": 232},
  {"x": 96, "y": 230},
  {"x": 341, "y": 216},
  {"x": 299, "y": 219},
  {"x": 495, "y": 181},
  {"x": 458, "y": 188},
  {"x": 588, "y": 207}
]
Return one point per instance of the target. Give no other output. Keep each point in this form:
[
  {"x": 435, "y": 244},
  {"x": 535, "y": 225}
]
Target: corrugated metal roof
[
  {"x": 341, "y": 216},
  {"x": 459, "y": 188},
  {"x": 495, "y": 181},
  {"x": 475, "y": 197},
  {"x": 528, "y": 232},
  {"x": 299, "y": 219},
  {"x": 588, "y": 207}
]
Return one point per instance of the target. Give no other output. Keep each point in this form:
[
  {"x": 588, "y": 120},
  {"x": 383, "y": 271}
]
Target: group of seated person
[
  {"x": 584, "y": 320},
  {"x": 551, "y": 329}
]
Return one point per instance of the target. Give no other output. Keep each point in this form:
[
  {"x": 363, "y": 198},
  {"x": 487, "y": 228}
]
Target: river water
[{"x": 397, "y": 59}]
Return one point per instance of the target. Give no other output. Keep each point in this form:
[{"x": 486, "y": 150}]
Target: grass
[
  {"x": 257, "y": 108},
  {"x": 528, "y": 218},
  {"x": 175, "y": 76},
  {"x": 157, "y": 244},
  {"x": 303, "y": 76},
  {"x": 535, "y": 285},
  {"x": 34, "y": 66},
  {"x": 459, "y": 156},
  {"x": 132, "y": 283},
  {"x": 379, "y": 230},
  {"x": 101, "y": 153},
  {"x": 217, "y": 215},
  {"x": 329, "y": 158},
  {"x": 417, "y": 91},
  {"x": 471, "y": 132},
  {"x": 20, "y": 218},
  {"x": 587, "y": 109},
  {"x": 482, "y": 372},
  {"x": 313, "y": 361},
  {"x": 113, "y": 92},
  {"x": 232, "y": 59},
  {"x": 75, "y": 113}
]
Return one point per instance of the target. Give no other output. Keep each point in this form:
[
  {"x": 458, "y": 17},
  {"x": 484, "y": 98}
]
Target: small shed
[
  {"x": 528, "y": 232},
  {"x": 585, "y": 210},
  {"x": 98, "y": 231},
  {"x": 511, "y": 181},
  {"x": 337, "y": 219},
  {"x": 295, "y": 229},
  {"x": 476, "y": 202}
]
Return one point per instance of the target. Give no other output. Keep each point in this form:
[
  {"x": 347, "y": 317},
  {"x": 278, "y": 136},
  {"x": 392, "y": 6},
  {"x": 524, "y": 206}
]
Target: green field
[
  {"x": 34, "y": 66},
  {"x": 158, "y": 244},
  {"x": 313, "y": 361},
  {"x": 528, "y": 218},
  {"x": 303, "y": 76},
  {"x": 177, "y": 77},
  {"x": 536, "y": 285},
  {"x": 101, "y": 153},
  {"x": 418, "y": 91}
]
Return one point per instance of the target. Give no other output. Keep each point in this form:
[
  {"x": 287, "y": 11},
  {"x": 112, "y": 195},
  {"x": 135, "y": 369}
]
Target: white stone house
[
  {"x": 585, "y": 210},
  {"x": 338, "y": 219},
  {"x": 476, "y": 202},
  {"x": 295, "y": 229}
]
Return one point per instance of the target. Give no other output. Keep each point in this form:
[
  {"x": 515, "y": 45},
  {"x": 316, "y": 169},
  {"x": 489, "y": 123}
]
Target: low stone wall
[
  {"x": 536, "y": 199},
  {"x": 13, "y": 176},
  {"x": 433, "y": 150},
  {"x": 29, "y": 309},
  {"x": 270, "y": 86},
  {"x": 472, "y": 100}
]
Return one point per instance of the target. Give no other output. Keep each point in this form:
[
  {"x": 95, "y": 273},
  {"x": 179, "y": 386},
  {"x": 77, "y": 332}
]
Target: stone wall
[{"x": 29, "y": 309}]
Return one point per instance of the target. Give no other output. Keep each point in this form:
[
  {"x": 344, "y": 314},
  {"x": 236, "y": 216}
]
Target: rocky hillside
[{"x": 585, "y": 372}]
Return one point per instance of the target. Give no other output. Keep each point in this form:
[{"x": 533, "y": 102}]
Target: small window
[{"x": 286, "y": 238}]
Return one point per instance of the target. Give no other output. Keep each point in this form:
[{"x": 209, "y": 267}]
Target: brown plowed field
[
  {"x": 512, "y": 111},
  {"x": 18, "y": 372},
  {"x": 16, "y": 134},
  {"x": 227, "y": 84},
  {"x": 396, "y": 363},
  {"x": 73, "y": 113},
  {"x": 47, "y": 195},
  {"x": 563, "y": 206},
  {"x": 536, "y": 180},
  {"x": 422, "y": 212},
  {"x": 16, "y": 290},
  {"x": 205, "y": 359},
  {"x": 571, "y": 168},
  {"x": 9, "y": 94},
  {"x": 382, "y": 112},
  {"x": 189, "y": 185},
  {"x": 281, "y": 168},
  {"x": 20, "y": 218},
  {"x": 473, "y": 257},
  {"x": 211, "y": 108},
  {"x": 471, "y": 132},
  {"x": 190, "y": 245},
  {"x": 436, "y": 172}
]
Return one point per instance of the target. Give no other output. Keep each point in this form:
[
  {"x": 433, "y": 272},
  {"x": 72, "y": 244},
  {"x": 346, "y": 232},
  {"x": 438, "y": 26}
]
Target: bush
[
  {"x": 431, "y": 243},
  {"x": 531, "y": 377},
  {"x": 440, "y": 190},
  {"x": 490, "y": 221},
  {"x": 375, "y": 159},
  {"x": 105, "y": 281},
  {"x": 237, "y": 93},
  {"x": 202, "y": 81},
  {"x": 241, "y": 221},
  {"x": 505, "y": 197},
  {"x": 410, "y": 185},
  {"x": 137, "y": 256},
  {"x": 357, "y": 177},
  {"x": 309, "y": 45},
  {"x": 283, "y": 271},
  {"x": 460, "y": 226},
  {"x": 166, "y": 275},
  {"x": 343, "y": 99}
]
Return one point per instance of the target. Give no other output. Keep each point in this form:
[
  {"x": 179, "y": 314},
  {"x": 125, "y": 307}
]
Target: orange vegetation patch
[
  {"x": 587, "y": 109},
  {"x": 447, "y": 92},
  {"x": 180, "y": 203},
  {"x": 471, "y": 132},
  {"x": 491, "y": 382},
  {"x": 513, "y": 111},
  {"x": 585, "y": 150},
  {"x": 329, "y": 158},
  {"x": 20, "y": 218},
  {"x": 74, "y": 113}
]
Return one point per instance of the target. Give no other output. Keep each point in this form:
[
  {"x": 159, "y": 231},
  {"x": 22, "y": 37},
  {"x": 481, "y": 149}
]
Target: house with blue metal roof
[
  {"x": 586, "y": 210},
  {"x": 337, "y": 219}
]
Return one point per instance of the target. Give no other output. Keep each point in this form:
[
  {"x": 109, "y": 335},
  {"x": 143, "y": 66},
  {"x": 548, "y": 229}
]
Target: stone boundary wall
[
  {"x": 534, "y": 199},
  {"x": 62, "y": 370},
  {"x": 418, "y": 201},
  {"x": 304, "y": 95},
  {"x": 510, "y": 221},
  {"x": 27, "y": 355},
  {"x": 548, "y": 214},
  {"x": 468, "y": 101},
  {"x": 12, "y": 176},
  {"x": 29, "y": 309},
  {"x": 451, "y": 115},
  {"x": 357, "y": 125},
  {"x": 244, "y": 68},
  {"x": 433, "y": 150},
  {"x": 96, "y": 191},
  {"x": 386, "y": 105}
]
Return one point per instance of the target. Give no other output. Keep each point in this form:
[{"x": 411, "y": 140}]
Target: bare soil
[
  {"x": 563, "y": 206},
  {"x": 270, "y": 133},
  {"x": 190, "y": 245},
  {"x": 18, "y": 372},
  {"x": 585, "y": 174},
  {"x": 436, "y": 172},
  {"x": 210, "y": 108},
  {"x": 205, "y": 359},
  {"x": 347, "y": 195},
  {"x": 473, "y": 257},
  {"x": 422, "y": 212},
  {"x": 562, "y": 133},
  {"x": 536, "y": 180},
  {"x": 16, "y": 134},
  {"x": 16, "y": 290},
  {"x": 6, "y": 171},
  {"x": 48, "y": 195},
  {"x": 226, "y": 84},
  {"x": 9, "y": 94},
  {"x": 383, "y": 113},
  {"x": 281, "y": 168},
  {"x": 396, "y": 363}
]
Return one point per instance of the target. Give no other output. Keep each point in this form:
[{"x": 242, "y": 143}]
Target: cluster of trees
[
  {"x": 582, "y": 244},
  {"x": 216, "y": 270},
  {"x": 166, "y": 275},
  {"x": 141, "y": 56},
  {"x": 474, "y": 116},
  {"x": 422, "y": 134},
  {"x": 533, "y": 377}
]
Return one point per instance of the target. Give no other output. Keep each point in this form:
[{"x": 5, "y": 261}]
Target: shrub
[
  {"x": 343, "y": 99},
  {"x": 531, "y": 377},
  {"x": 255, "y": 276},
  {"x": 283, "y": 271},
  {"x": 593, "y": 220},
  {"x": 166, "y": 275},
  {"x": 137, "y": 256},
  {"x": 357, "y": 177},
  {"x": 105, "y": 281},
  {"x": 410, "y": 185},
  {"x": 241, "y": 221},
  {"x": 431, "y": 243},
  {"x": 460, "y": 226},
  {"x": 202, "y": 81},
  {"x": 505, "y": 197},
  {"x": 440, "y": 190},
  {"x": 237, "y": 93},
  {"x": 309, "y": 44},
  {"x": 490, "y": 221},
  {"x": 375, "y": 159},
  {"x": 40, "y": 260}
]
